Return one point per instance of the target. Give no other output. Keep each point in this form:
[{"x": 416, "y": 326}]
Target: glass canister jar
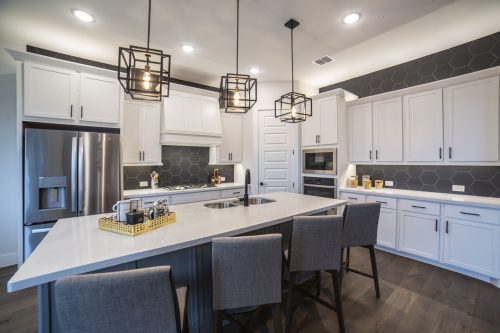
[
  {"x": 367, "y": 183},
  {"x": 379, "y": 184},
  {"x": 353, "y": 181}
]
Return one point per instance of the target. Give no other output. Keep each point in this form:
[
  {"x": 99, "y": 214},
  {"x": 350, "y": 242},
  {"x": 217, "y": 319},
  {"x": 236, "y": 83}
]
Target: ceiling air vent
[{"x": 323, "y": 60}]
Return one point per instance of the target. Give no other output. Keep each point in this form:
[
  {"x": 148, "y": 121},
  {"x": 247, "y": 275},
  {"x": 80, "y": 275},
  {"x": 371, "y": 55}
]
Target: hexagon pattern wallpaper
[
  {"x": 478, "y": 180},
  {"x": 479, "y": 54},
  {"x": 181, "y": 166}
]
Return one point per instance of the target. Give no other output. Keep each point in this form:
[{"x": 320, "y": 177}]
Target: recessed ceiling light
[
  {"x": 83, "y": 16},
  {"x": 351, "y": 18},
  {"x": 187, "y": 48},
  {"x": 254, "y": 70}
]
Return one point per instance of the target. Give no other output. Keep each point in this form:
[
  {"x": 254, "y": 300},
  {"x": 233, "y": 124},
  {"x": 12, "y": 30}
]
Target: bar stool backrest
[
  {"x": 315, "y": 243},
  {"x": 360, "y": 224},
  {"x": 140, "y": 300},
  {"x": 246, "y": 271}
]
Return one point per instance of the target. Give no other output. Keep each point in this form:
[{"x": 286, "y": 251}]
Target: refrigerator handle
[
  {"x": 73, "y": 174},
  {"x": 80, "y": 174}
]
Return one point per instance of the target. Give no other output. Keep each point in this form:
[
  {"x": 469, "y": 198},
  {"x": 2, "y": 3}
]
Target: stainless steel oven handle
[{"x": 320, "y": 186}]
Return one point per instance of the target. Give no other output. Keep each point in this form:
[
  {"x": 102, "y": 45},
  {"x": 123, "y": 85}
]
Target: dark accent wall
[
  {"x": 478, "y": 180},
  {"x": 181, "y": 166},
  {"x": 93, "y": 63},
  {"x": 476, "y": 55}
]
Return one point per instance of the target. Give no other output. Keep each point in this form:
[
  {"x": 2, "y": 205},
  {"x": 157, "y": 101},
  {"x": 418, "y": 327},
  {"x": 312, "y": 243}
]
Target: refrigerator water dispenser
[{"x": 52, "y": 192}]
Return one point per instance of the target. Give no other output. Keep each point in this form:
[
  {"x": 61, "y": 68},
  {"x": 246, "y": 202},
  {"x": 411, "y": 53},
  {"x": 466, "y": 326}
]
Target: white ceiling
[{"x": 389, "y": 32}]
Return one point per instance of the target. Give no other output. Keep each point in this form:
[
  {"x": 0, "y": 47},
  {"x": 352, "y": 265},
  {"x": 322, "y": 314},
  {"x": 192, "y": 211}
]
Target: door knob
[{"x": 262, "y": 183}]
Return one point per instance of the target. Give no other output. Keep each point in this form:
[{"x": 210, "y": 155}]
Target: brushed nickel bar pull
[
  {"x": 449, "y": 153},
  {"x": 421, "y": 207},
  {"x": 440, "y": 153},
  {"x": 436, "y": 225},
  {"x": 473, "y": 214},
  {"x": 446, "y": 226}
]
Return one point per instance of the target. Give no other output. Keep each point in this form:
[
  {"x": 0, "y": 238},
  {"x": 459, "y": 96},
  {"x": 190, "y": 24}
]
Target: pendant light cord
[
  {"x": 149, "y": 21},
  {"x": 237, "y": 31},
  {"x": 291, "y": 37}
]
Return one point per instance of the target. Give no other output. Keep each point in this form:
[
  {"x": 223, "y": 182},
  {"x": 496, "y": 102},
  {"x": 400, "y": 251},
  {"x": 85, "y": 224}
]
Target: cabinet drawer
[
  {"x": 472, "y": 214},
  {"x": 352, "y": 197},
  {"x": 420, "y": 206},
  {"x": 385, "y": 202},
  {"x": 232, "y": 193},
  {"x": 194, "y": 197}
]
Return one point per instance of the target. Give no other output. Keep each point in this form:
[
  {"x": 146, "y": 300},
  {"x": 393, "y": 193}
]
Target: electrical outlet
[
  {"x": 389, "y": 183},
  {"x": 458, "y": 188},
  {"x": 222, "y": 179},
  {"x": 143, "y": 184}
]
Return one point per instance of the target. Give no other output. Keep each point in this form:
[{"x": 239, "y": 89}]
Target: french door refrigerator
[{"x": 67, "y": 173}]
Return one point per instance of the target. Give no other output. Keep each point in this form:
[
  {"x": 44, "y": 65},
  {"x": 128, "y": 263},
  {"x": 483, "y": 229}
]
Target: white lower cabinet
[
  {"x": 387, "y": 228},
  {"x": 419, "y": 234},
  {"x": 232, "y": 193},
  {"x": 194, "y": 197}
]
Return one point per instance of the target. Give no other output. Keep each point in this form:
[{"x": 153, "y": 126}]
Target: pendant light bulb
[
  {"x": 294, "y": 112},
  {"x": 146, "y": 78},
  {"x": 236, "y": 97}
]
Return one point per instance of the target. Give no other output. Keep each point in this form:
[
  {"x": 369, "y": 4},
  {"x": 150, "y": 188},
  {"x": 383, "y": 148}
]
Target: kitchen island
[{"x": 77, "y": 246}]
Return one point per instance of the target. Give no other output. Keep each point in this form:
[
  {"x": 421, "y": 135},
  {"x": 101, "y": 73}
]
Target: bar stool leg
[
  {"x": 218, "y": 321},
  {"x": 338, "y": 300},
  {"x": 291, "y": 286},
  {"x": 374, "y": 270},
  {"x": 347, "y": 259},
  {"x": 278, "y": 324}
]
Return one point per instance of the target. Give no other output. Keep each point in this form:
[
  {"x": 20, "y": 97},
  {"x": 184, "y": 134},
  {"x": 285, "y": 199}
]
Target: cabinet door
[
  {"x": 173, "y": 117},
  {"x": 192, "y": 110},
  {"x": 99, "y": 99},
  {"x": 423, "y": 118},
  {"x": 311, "y": 127},
  {"x": 230, "y": 149},
  {"x": 419, "y": 234},
  {"x": 211, "y": 116},
  {"x": 388, "y": 130},
  {"x": 49, "y": 92},
  {"x": 360, "y": 133},
  {"x": 386, "y": 233},
  {"x": 328, "y": 121},
  {"x": 131, "y": 132},
  {"x": 150, "y": 133},
  {"x": 473, "y": 246},
  {"x": 471, "y": 121}
]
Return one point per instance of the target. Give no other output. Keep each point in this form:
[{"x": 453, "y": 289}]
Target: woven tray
[{"x": 110, "y": 224}]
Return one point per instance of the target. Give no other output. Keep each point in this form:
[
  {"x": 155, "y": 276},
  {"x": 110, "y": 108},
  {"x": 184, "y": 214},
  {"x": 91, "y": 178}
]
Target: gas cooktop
[{"x": 187, "y": 187}]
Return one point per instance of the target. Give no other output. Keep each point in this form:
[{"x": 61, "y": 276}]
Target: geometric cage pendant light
[
  {"x": 293, "y": 107},
  {"x": 238, "y": 92},
  {"x": 144, "y": 73}
]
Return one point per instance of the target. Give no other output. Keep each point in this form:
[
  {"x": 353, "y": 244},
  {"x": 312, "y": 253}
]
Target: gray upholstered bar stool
[
  {"x": 140, "y": 300},
  {"x": 315, "y": 246},
  {"x": 360, "y": 229},
  {"x": 246, "y": 273}
]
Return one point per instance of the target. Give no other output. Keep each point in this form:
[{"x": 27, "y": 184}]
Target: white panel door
[
  {"x": 193, "y": 114},
  {"x": 211, "y": 116},
  {"x": 173, "y": 116},
  {"x": 49, "y": 92},
  {"x": 99, "y": 99},
  {"x": 150, "y": 133},
  {"x": 423, "y": 118},
  {"x": 388, "y": 130},
  {"x": 360, "y": 133},
  {"x": 471, "y": 121},
  {"x": 386, "y": 233},
  {"x": 131, "y": 132},
  {"x": 328, "y": 124},
  {"x": 419, "y": 234},
  {"x": 310, "y": 128},
  {"x": 277, "y": 164},
  {"x": 473, "y": 246}
]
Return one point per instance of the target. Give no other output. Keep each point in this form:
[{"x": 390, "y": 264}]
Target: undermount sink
[
  {"x": 221, "y": 205},
  {"x": 258, "y": 201}
]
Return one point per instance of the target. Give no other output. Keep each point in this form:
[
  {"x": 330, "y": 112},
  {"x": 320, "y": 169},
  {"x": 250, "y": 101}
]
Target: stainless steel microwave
[{"x": 320, "y": 161}]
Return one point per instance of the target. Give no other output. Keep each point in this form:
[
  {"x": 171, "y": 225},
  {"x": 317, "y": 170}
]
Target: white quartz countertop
[
  {"x": 147, "y": 192},
  {"x": 76, "y": 245},
  {"x": 450, "y": 198}
]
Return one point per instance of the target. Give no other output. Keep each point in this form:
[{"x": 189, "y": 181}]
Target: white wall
[{"x": 9, "y": 205}]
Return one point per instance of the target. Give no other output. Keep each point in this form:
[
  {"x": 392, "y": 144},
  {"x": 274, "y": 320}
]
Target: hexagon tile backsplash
[
  {"x": 477, "y": 180},
  {"x": 181, "y": 166}
]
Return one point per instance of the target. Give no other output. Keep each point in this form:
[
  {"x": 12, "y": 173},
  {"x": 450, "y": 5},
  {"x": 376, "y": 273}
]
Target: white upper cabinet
[
  {"x": 388, "y": 130},
  {"x": 212, "y": 117},
  {"x": 423, "y": 126},
  {"x": 471, "y": 121},
  {"x": 141, "y": 133},
  {"x": 49, "y": 92},
  {"x": 230, "y": 149},
  {"x": 322, "y": 127},
  {"x": 57, "y": 93},
  {"x": 360, "y": 133},
  {"x": 99, "y": 99}
]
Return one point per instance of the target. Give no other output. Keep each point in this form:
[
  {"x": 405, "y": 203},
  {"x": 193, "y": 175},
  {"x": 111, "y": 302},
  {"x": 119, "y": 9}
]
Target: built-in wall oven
[
  {"x": 321, "y": 187},
  {"x": 320, "y": 161}
]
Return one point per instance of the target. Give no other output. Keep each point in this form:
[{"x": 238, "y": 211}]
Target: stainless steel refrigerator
[{"x": 67, "y": 174}]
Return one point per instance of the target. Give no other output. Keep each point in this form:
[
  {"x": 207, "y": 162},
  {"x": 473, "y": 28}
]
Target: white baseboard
[{"x": 8, "y": 259}]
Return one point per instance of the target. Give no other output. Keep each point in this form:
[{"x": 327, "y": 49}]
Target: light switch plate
[
  {"x": 389, "y": 183},
  {"x": 143, "y": 184},
  {"x": 458, "y": 188}
]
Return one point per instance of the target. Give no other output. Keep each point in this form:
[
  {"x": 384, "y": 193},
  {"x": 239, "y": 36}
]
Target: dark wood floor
[{"x": 416, "y": 297}]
